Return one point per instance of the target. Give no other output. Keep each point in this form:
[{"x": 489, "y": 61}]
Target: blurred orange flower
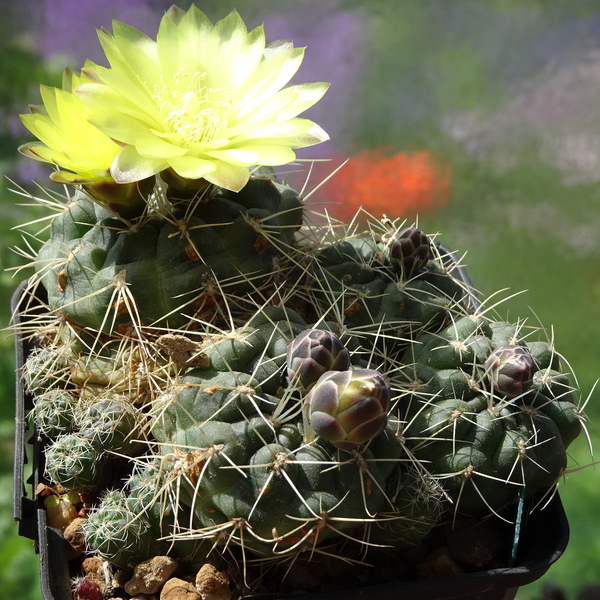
[{"x": 400, "y": 185}]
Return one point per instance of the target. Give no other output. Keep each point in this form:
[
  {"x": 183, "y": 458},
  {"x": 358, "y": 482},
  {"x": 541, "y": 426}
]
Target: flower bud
[
  {"x": 312, "y": 353},
  {"x": 410, "y": 251},
  {"x": 511, "y": 369},
  {"x": 348, "y": 408}
]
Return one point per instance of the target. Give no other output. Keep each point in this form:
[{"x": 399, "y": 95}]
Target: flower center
[{"x": 191, "y": 110}]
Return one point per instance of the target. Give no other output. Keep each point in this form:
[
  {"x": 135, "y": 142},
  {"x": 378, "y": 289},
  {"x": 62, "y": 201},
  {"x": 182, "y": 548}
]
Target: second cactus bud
[
  {"x": 348, "y": 408},
  {"x": 312, "y": 353},
  {"x": 410, "y": 251}
]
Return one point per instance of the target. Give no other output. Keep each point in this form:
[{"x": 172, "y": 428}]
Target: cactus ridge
[{"x": 102, "y": 272}]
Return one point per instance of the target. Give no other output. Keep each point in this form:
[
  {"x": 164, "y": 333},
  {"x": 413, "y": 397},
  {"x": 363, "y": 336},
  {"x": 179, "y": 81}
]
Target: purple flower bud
[
  {"x": 511, "y": 369},
  {"x": 348, "y": 408},
  {"x": 410, "y": 251},
  {"x": 312, "y": 353}
]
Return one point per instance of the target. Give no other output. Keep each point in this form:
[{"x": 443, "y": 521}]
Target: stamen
[{"x": 188, "y": 108}]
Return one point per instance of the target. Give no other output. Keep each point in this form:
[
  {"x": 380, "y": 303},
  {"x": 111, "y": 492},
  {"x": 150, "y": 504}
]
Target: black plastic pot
[{"x": 543, "y": 536}]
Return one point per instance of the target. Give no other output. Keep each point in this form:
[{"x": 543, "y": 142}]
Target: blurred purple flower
[
  {"x": 26, "y": 171},
  {"x": 333, "y": 37},
  {"x": 68, "y": 27}
]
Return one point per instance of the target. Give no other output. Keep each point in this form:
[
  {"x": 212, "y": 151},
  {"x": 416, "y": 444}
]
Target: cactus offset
[{"x": 488, "y": 437}]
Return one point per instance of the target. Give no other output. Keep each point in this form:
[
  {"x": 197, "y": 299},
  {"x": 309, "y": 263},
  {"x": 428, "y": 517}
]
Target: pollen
[{"x": 191, "y": 110}]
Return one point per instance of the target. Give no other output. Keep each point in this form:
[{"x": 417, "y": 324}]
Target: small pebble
[
  {"x": 75, "y": 538},
  {"x": 438, "y": 563},
  {"x": 474, "y": 543},
  {"x": 92, "y": 564},
  {"x": 178, "y": 589},
  {"x": 212, "y": 584},
  {"x": 149, "y": 576}
]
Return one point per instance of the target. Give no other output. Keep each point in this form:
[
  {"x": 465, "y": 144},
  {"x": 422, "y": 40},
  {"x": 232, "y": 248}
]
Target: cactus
[
  {"x": 119, "y": 534},
  {"x": 475, "y": 418},
  {"x": 230, "y": 382},
  {"x": 101, "y": 272},
  {"x": 236, "y": 455},
  {"x": 111, "y": 424},
  {"x": 54, "y": 413},
  {"x": 74, "y": 462},
  {"x": 45, "y": 368}
]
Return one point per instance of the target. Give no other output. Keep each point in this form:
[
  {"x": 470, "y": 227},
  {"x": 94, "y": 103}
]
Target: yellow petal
[
  {"x": 129, "y": 166},
  {"x": 310, "y": 137},
  {"x": 241, "y": 157},
  {"x": 230, "y": 177},
  {"x": 270, "y": 76},
  {"x": 154, "y": 147},
  {"x": 191, "y": 167},
  {"x": 271, "y": 154}
]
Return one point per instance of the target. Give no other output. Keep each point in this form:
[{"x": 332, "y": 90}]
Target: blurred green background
[{"x": 480, "y": 117}]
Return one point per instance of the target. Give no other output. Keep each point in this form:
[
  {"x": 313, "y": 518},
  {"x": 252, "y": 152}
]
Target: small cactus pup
[
  {"x": 54, "y": 413},
  {"x": 74, "y": 462},
  {"x": 119, "y": 534}
]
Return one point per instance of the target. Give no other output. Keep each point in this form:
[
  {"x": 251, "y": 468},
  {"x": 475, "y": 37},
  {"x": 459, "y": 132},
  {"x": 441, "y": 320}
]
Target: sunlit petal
[
  {"x": 229, "y": 176},
  {"x": 207, "y": 100},
  {"x": 129, "y": 166},
  {"x": 154, "y": 147},
  {"x": 66, "y": 137},
  {"x": 191, "y": 167}
]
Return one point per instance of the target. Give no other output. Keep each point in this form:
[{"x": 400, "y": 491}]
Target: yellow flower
[
  {"x": 207, "y": 101},
  {"x": 66, "y": 137}
]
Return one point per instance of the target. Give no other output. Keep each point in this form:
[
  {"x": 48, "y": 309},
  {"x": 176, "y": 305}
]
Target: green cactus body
[
  {"x": 119, "y": 534},
  {"x": 418, "y": 507},
  {"x": 53, "y": 413},
  {"x": 238, "y": 458},
  {"x": 257, "y": 383},
  {"x": 101, "y": 272},
  {"x": 384, "y": 307},
  {"x": 112, "y": 425},
  {"x": 45, "y": 369},
  {"x": 74, "y": 462},
  {"x": 290, "y": 390},
  {"x": 485, "y": 445}
]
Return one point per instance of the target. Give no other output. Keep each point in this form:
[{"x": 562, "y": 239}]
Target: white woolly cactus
[{"x": 229, "y": 383}]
